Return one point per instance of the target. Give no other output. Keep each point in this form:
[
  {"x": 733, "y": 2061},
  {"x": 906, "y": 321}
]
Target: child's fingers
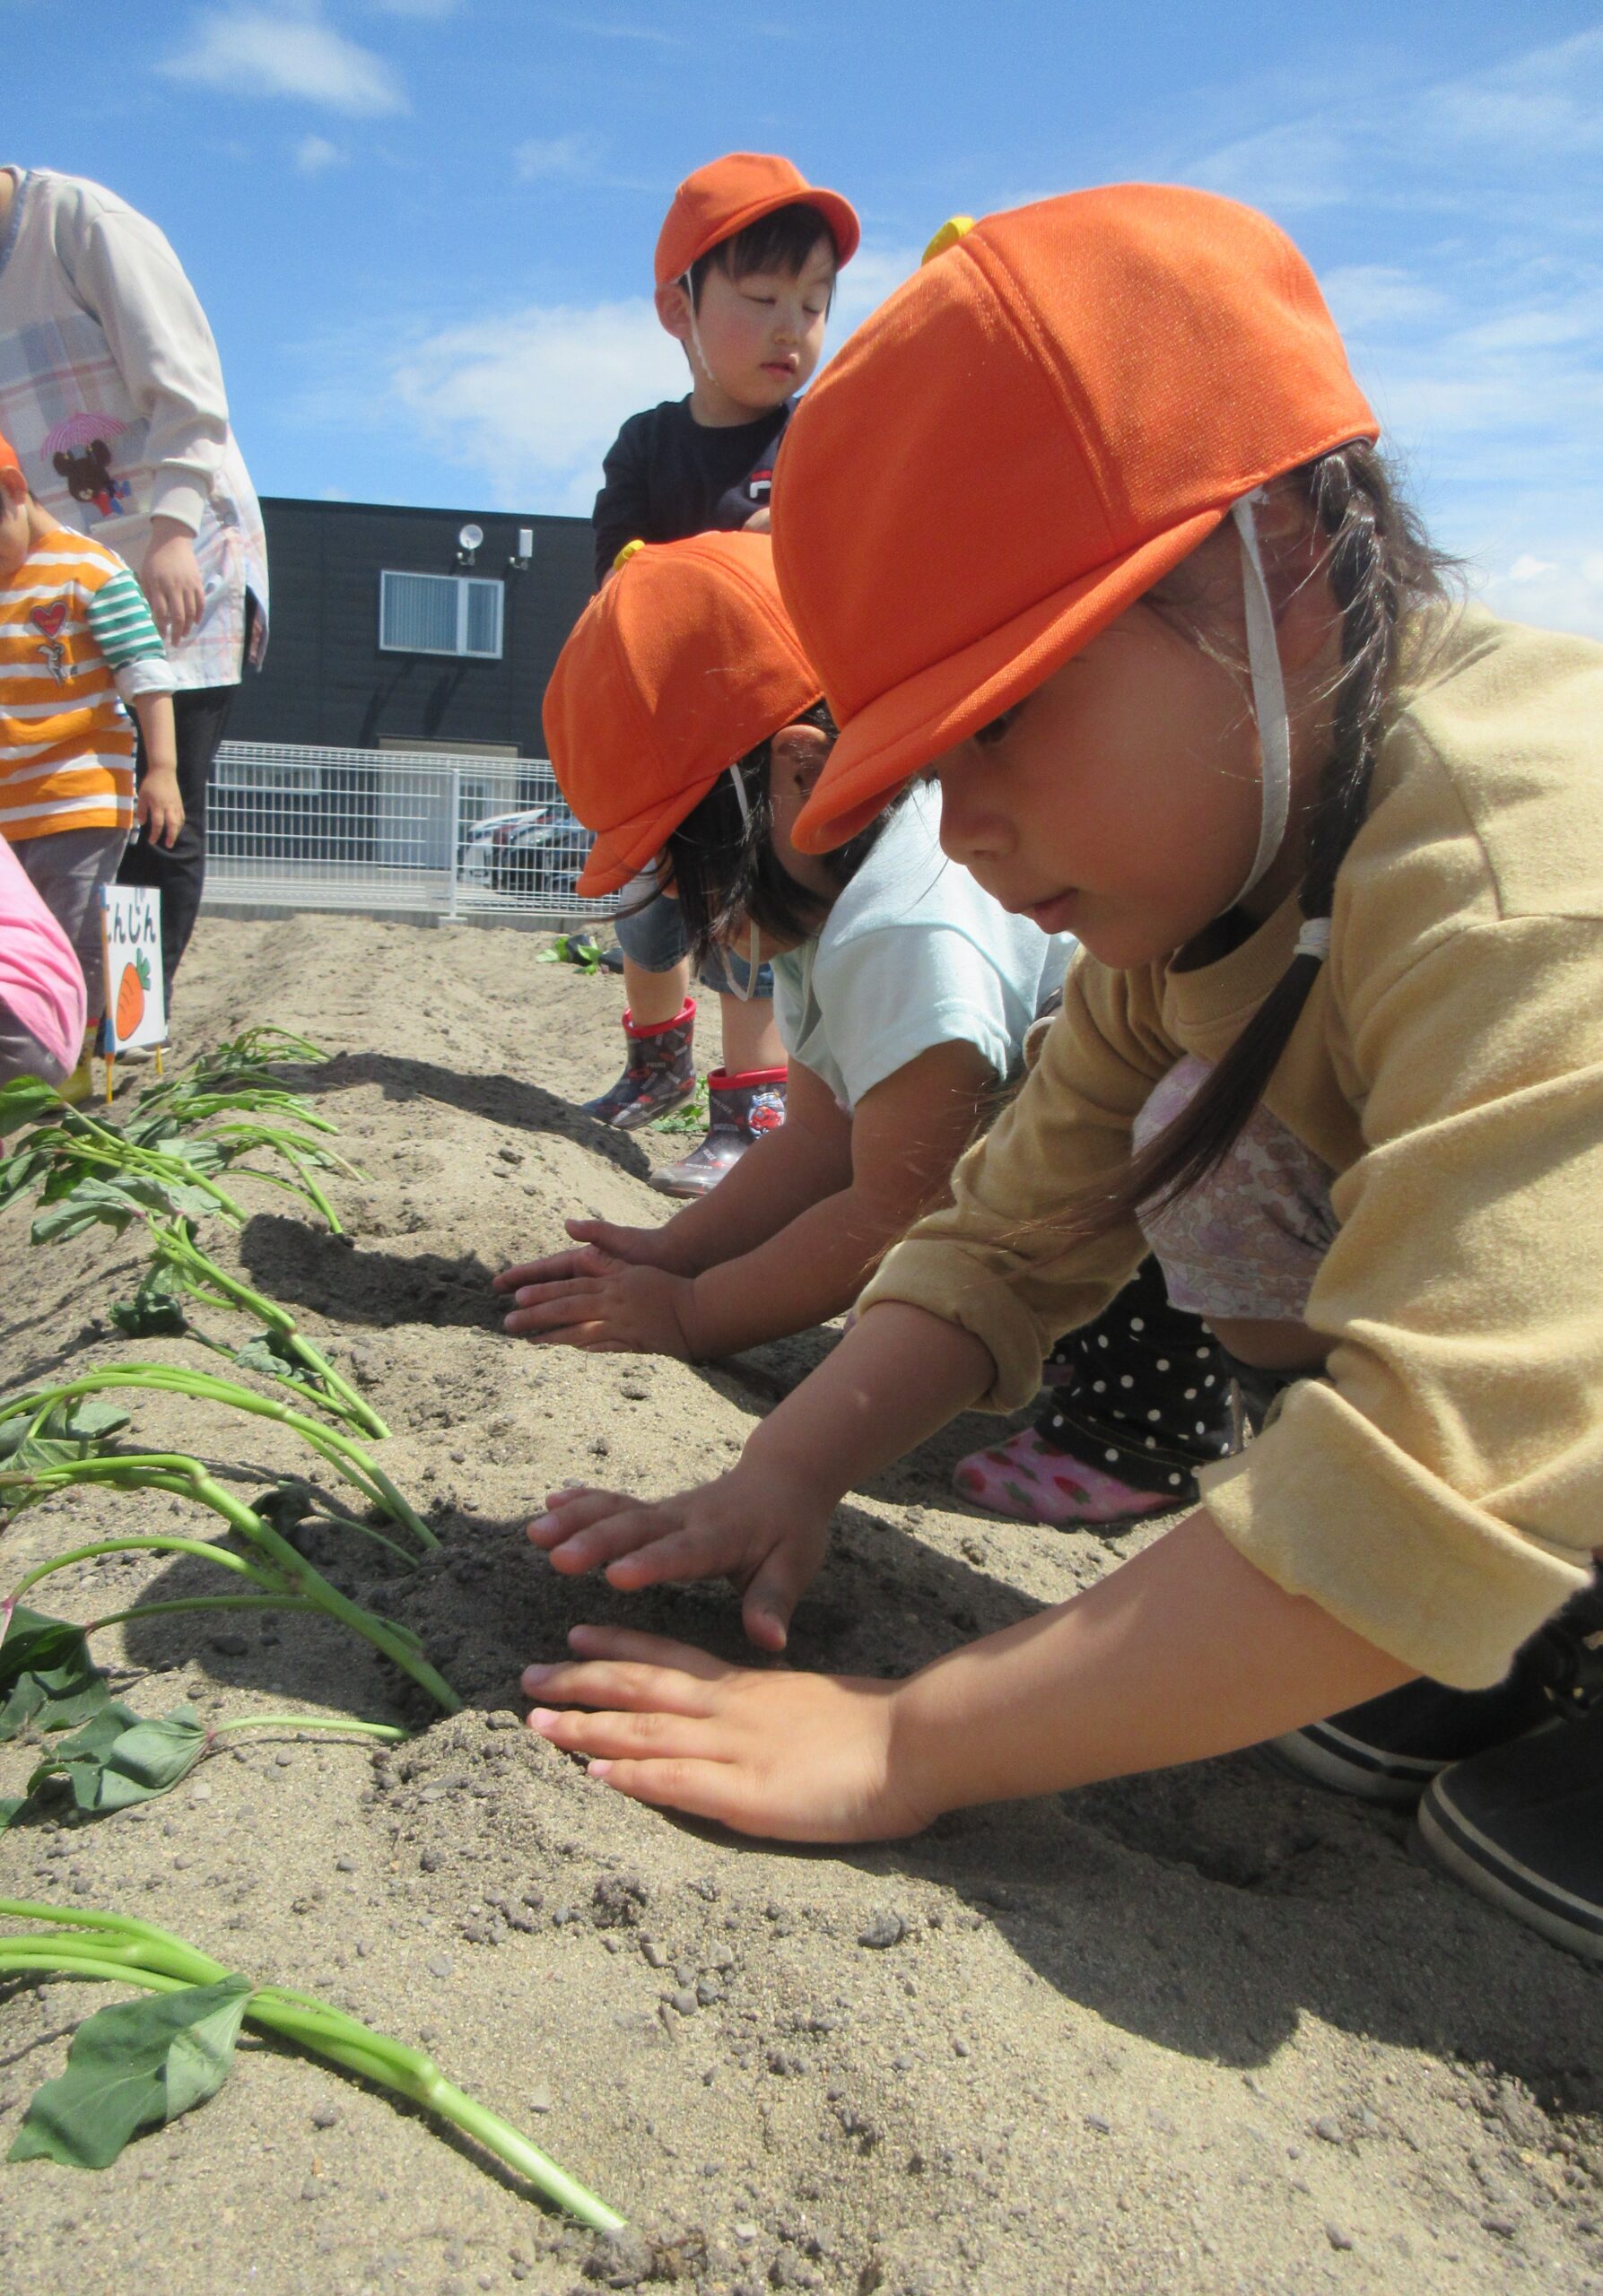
[
  {"x": 671, "y": 1549},
  {"x": 571, "y": 1510},
  {"x": 535, "y": 1271},
  {"x": 710, "y": 1789},
  {"x": 627, "y": 1735},
  {"x": 620, "y": 1685},
  {"x": 602, "y": 1543}
]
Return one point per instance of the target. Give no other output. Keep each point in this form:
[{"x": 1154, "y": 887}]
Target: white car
[{"x": 481, "y": 844}]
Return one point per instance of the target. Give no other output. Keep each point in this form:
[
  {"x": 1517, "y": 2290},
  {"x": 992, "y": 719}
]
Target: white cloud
[
  {"x": 314, "y": 155},
  {"x": 288, "y": 51},
  {"x": 573, "y": 156},
  {"x": 1566, "y": 595},
  {"x": 531, "y": 400}
]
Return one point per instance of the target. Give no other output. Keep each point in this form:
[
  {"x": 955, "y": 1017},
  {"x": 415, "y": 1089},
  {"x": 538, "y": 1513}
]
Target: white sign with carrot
[{"x": 135, "y": 992}]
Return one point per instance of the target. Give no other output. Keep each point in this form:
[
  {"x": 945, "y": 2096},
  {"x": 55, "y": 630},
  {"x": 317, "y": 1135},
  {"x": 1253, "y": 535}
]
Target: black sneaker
[
  {"x": 1391, "y": 1748},
  {"x": 1523, "y": 1826}
]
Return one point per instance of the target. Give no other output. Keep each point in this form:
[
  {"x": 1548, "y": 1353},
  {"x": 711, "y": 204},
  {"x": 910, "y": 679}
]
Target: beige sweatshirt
[{"x": 1442, "y": 1491}]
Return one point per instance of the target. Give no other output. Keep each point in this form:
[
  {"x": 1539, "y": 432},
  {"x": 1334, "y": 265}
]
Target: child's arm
[
  {"x": 808, "y": 1157},
  {"x": 1185, "y": 1652},
  {"x": 159, "y": 809},
  {"x": 902, "y": 1144},
  {"x": 898, "y": 1377}
]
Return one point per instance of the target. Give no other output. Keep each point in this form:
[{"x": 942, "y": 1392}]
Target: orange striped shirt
[{"x": 66, "y": 742}]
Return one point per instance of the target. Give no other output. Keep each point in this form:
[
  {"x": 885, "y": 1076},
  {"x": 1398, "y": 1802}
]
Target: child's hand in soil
[
  {"x": 601, "y": 1301},
  {"x": 746, "y": 1526},
  {"x": 600, "y": 1243},
  {"x": 793, "y": 1757}
]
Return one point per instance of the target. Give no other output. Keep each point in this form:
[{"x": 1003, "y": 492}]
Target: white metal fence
[{"x": 445, "y": 836}]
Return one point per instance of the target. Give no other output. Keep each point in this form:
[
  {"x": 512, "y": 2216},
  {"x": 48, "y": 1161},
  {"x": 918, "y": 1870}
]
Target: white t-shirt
[{"x": 913, "y": 955}]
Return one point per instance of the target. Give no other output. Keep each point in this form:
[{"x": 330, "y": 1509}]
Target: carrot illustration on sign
[{"x": 131, "y": 994}]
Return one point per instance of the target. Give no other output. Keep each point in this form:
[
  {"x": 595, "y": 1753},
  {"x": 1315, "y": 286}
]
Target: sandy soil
[{"x": 1208, "y": 2031}]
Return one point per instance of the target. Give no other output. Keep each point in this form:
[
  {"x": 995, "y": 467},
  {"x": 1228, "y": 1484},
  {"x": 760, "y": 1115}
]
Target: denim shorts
[{"x": 652, "y": 936}]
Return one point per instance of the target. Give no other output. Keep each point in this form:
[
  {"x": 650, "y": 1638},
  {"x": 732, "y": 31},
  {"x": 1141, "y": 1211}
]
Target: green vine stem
[{"x": 122, "y": 1949}]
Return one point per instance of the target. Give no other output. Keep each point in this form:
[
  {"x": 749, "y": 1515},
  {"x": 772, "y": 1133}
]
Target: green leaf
[
  {"x": 156, "y": 1310},
  {"x": 25, "y": 1100},
  {"x": 119, "y": 1757},
  {"x": 10, "y": 1803},
  {"x": 46, "y": 1675},
  {"x": 134, "y": 2066},
  {"x": 82, "y": 1205},
  {"x": 74, "y": 1430},
  {"x": 267, "y": 1352}
]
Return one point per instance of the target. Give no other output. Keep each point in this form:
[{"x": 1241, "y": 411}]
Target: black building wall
[{"x": 326, "y": 681}]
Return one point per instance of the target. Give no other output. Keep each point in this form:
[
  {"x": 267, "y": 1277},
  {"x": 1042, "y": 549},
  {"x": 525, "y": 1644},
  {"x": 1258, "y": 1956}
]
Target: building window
[{"x": 439, "y": 613}]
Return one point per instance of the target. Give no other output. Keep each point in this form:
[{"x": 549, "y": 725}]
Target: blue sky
[{"x": 422, "y": 229}]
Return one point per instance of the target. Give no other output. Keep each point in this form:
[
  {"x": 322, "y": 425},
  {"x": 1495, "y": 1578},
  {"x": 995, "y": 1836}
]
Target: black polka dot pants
[{"x": 1143, "y": 1393}]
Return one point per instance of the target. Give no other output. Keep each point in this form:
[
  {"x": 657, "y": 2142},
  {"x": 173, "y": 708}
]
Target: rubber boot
[
  {"x": 659, "y": 1074},
  {"x": 79, "y": 1086},
  {"x": 741, "y": 1110}
]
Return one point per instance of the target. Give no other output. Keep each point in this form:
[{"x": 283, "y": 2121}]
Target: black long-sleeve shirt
[{"x": 667, "y": 476}]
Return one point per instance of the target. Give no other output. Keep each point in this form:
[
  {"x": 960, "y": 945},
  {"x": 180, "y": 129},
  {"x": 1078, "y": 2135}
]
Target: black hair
[
  {"x": 723, "y": 865},
  {"x": 781, "y": 241}
]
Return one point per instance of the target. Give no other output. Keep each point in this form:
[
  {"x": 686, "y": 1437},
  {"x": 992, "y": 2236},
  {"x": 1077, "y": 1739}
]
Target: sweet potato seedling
[
  {"x": 140, "y": 2063},
  {"x": 44, "y": 1463}
]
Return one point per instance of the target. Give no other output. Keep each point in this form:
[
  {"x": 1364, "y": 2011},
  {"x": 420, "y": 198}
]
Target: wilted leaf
[
  {"x": 119, "y": 1757},
  {"x": 46, "y": 1675},
  {"x": 265, "y": 1351},
  {"x": 81, "y": 1204},
  {"x": 70, "y": 1431},
  {"x": 25, "y": 1100},
  {"x": 134, "y": 2066},
  {"x": 156, "y": 1310}
]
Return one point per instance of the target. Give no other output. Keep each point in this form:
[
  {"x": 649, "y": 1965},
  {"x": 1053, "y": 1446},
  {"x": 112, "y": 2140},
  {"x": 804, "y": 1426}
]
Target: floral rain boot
[
  {"x": 741, "y": 1108},
  {"x": 1026, "y": 1478},
  {"x": 658, "y": 1076}
]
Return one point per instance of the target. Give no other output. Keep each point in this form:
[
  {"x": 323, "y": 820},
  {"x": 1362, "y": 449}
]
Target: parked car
[
  {"x": 476, "y": 864},
  {"x": 542, "y": 859}
]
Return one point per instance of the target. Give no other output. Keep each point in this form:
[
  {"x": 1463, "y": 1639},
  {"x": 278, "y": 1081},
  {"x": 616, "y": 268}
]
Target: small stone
[
  {"x": 1101, "y": 2123},
  {"x": 344, "y": 1864},
  {"x": 888, "y": 1929},
  {"x": 231, "y": 1645},
  {"x": 1337, "y": 2238},
  {"x": 1328, "y": 2131},
  {"x": 325, "y": 2116},
  {"x": 440, "y": 1965},
  {"x": 747, "y": 2233},
  {"x": 708, "y": 1990},
  {"x": 1504, "y": 2227},
  {"x": 200, "y": 1793},
  {"x": 539, "y": 2100},
  {"x": 284, "y": 1759},
  {"x": 960, "y": 2048},
  {"x": 655, "y": 1956},
  {"x": 683, "y": 1999}
]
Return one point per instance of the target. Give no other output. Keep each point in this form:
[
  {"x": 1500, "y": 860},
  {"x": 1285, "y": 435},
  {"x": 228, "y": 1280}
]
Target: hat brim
[
  {"x": 623, "y": 851},
  {"x": 901, "y": 731},
  {"x": 839, "y": 213}
]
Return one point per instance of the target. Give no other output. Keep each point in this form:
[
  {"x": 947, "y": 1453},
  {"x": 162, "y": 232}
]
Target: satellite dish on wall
[{"x": 470, "y": 537}]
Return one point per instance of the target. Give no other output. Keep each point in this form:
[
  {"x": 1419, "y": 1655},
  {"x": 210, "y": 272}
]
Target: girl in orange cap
[
  {"x": 1135, "y": 589},
  {"x": 683, "y": 718}
]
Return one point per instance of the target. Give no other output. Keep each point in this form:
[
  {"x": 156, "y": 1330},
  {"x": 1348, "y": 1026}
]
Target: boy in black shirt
[{"x": 745, "y": 268}]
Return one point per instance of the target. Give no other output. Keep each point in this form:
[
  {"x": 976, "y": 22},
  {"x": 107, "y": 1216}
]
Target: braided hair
[{"x": 1381, "y": 568}]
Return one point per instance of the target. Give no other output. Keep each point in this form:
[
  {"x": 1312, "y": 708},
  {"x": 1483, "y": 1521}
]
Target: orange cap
[
  {"x": 682, "y": 663},
  {"x": 1077, "y": 392},
  {"x": 8, "y": 455},
  {"x": 727, "y": 193}
]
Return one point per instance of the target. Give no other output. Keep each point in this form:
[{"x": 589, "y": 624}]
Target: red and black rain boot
[
  {"x": 659, "y": 1075},
  {"x": 741, "y": 1110}
]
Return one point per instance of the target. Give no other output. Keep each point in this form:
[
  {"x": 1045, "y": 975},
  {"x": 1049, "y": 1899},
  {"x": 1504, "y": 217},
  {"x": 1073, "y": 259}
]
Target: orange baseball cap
[
  {"x": 8, "y": 455},
  {"x": 1077, "y": 391},
  {"x": 724, "y": 196},
  {"x": 682, "y": 663}
]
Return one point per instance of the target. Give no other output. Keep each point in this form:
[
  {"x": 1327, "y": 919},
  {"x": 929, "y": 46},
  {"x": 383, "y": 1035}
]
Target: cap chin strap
[
  {"x": 1269, "y": 698},
  {"x": 754, "y": 957},
  {"x": 695, "y": 332}
]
